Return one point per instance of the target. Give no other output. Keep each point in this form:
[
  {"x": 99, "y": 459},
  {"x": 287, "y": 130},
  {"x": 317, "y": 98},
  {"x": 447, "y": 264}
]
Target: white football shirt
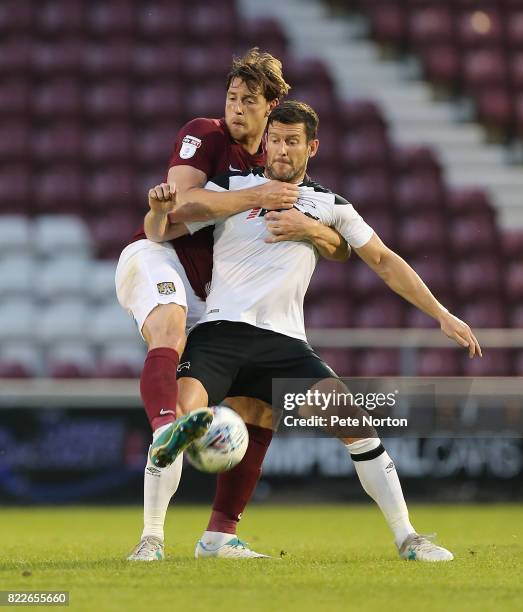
[{"x": 264, "y": 284}]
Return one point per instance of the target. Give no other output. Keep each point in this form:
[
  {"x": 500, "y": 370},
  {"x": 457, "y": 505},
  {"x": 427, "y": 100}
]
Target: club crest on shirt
[
  {"x": 190, "y": 145},
  {"x": 166, "y": 288}
]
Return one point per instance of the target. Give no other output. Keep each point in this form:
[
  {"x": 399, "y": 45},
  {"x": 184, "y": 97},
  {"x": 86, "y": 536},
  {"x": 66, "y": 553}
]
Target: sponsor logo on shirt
[
  {"x": 190, "y": 145},
  {"x": 166, "y": 288}
]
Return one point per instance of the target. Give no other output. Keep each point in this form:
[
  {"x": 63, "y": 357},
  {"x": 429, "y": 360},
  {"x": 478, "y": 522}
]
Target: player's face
[
  {"x": 245, "y": 112},
  {"x": 288, "y": 151}
]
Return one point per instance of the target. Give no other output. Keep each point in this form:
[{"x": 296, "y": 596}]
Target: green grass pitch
[{"x": 326, "y": 558}]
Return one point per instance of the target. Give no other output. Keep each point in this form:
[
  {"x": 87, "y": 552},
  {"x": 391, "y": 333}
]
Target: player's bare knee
[
  {"x": 191, "y": 395},
  {"x": 165, "y": 326}
]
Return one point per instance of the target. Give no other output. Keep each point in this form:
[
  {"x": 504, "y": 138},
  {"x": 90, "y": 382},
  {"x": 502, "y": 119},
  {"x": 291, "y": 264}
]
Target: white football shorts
[{"x": 149, "y": 274}]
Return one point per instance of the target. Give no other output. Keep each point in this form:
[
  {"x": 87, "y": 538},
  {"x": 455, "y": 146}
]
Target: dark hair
[
  {"x": 293, "y": 111},
  {"x": 261, "y": 72}
]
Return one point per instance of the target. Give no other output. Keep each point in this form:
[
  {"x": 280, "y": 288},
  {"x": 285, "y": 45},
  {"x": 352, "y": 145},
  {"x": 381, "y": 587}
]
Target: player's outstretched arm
[
  {"x": 402, "y": 279},
  {"x": 158, "y": 228},
  {"x": 194, "y": 203},
  {"x": 294, "y": 225}
]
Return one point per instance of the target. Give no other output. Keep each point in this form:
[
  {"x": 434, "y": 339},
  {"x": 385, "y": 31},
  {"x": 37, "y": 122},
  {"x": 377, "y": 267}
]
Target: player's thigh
[
  {"x": 252, "y": 410},
  {"x": 150, "y": 276}
]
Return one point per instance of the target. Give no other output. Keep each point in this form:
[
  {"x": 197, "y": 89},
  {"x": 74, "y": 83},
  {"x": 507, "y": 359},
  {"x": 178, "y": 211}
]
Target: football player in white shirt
[{"x": 253, "y": 331}]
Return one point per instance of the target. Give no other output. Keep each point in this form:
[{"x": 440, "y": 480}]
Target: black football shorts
[{"x": 234, "y": 359}]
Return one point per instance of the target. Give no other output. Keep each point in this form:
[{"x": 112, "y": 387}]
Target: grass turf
[{"x": 334, "y": 558}]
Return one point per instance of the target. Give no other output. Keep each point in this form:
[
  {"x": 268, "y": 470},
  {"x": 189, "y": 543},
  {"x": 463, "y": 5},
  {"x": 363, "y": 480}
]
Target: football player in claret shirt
[
  {"x": 254, "y": 332},
  {"x": 163, "y": 286}
]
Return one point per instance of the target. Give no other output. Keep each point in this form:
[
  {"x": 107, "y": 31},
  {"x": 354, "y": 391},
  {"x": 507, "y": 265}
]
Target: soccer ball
[{"x": 223, "y": 445}]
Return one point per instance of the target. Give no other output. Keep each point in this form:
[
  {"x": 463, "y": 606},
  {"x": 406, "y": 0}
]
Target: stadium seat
[
  {"x": 266, "y": 29},
  {"x": 514, "y": 281},
  {"x": 15, "y": 232},
  {"x": 199, "y": 64},
  {"x": 18, "y": 320},
  {"x": 476, "y": 277},
  {"x": 15, "y": 16},
  {"x": 15, "y": 189},
  {"x": 418, "y": 194},
  {"x": 514, "y": 29},
  {"x": 15, "y": 56},
  {"x": 108, "y": 99},
  {"x": 442, "y": 64},
  {"x": 383, "y": 223},
  {"x": 65, "y": 320},
  {"x": 17, "y": 276},
  {"x": 388, "y": 22},
  {"x": 155, "y": 144},
  {"x": 416, "y": 159},
  {"x": 63, "y": 277},
  {"x": 371, "y": 190},
  {"x": 59, "y": 235},
  {"x": 70, "y": 360},
  {"x": 53, "y": 58},
  {"x": 365, "y": 149},
  {"x": 108, "y": 57},
  {"x": 157, "y": 100},
  {"x": 108, "y": 143},
  {"x": 212, "y": 21},
  {"x": 20, "y": 360},
  {"x": 109, "y": 324},
  {"x": 110, "y": 18},
  {"x": 495, "y": 109},
  {"x": 122, "y": 360},
  {"x": 363, "y": 282},
  {"x": 112, "y": 231},
  {"x": 158, "y": 60},
  {"x": 473, "y": 234},
  {"x": 495, "y": 362},
  {"x": 484, "y": 69},
  {"x": 435, "y": 270},
  {"x": 516, "y": 316},
  {"x": 516, "y": 71},
  {"x": 62, "y": 141},
  {"x": 378, "y": 362},
  {"x": 54, "y": 17},
  {"x": 416, "y": 319},
  {"x": 387, "y": 311},
  {"x": 462, "y": 201},
  {"x": 60, "y": 97},
  {"x": 487, "y": 312},
  {"x": 431, "y": 25},
  {"x": 100, "y": 281},
  {"x": 439, "y": 362},
  {"x": 158, "y": 19},
  {"x": 14, "y": 141},
  {"x": 480, "y": 28},
  {"x": 329, "y": 277},
  {"x": 330, "y": 312},
  {"x": 14, "y": 95},
  {"x": 110, "y": 187},
  {"x": 341, "y": 360},
  {"x": 512, "y": 244},
  {"x": 422, "y": 234},
  {"x": 360, "y": 114},
  {"x": 49, "y": 187},
  {"x": 518, "y": 363}
]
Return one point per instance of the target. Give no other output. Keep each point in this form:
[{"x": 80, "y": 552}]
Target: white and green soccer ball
[{"x": 223, "y": 445}]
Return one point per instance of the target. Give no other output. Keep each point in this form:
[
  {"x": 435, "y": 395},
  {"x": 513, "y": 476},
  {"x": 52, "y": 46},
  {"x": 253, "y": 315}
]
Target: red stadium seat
[
  {"x": 49, "y": 188},
  {"x": 63, "y": 141},
  {"x": 431, "y": 25},
  {"x": 15, "y": 56},
  {"x": 155, "y": 144},
  {"x": 512, "y": 244},
  {"x": 110, "y": 18},
  {"x": 442, "y": 64},
  {"x": 108, "y": 143},
  {"x": 439, "y": 362},
  {"x": 516, "y": 316},
  {"x": 380, "y": 312},
  {"x": 388, "y": 22},
  {"x": 422, "y": 234},
  {"x": 301, "y": 72},
  {"x": 107, "y": 57},
  {"x": 60, "y": 97},
  {"x": 516, "y": 71},
  {"x": 160, "y": 19},
  {"x": 484, "y": 69},
  {"x": 14, "y": 96},
  {"x": 487, "y": 312},
  {"x": 480, "y": 28},
  {"x": 518, "y": 363},
  {"x": 416, "y": 159},
  {"x": 211, "y": 21},
  {"x": 331, "y": 312},
  {"x": 163, "y": 59},
  {"x": 462, "y": 201},
  {"x": 341, "y": 360},
  {"x": 54, "y": 17},
  {"x": 473, "y": 234},
  {"x": 56, "y": 57},
  {"x": 514, "y": 281},
  {"x": 204, "y": 63},
  {"x": 269, "y": 31},
  {"x": 495, "y": 108},
  {"x": 112, "y": 231},
  {"x": 15, "y": 189},
  {"x": 329, "y": 277},
  {"x": 495, "y": 362},
  {"x": 435, "y": 270},
  {"x": 418, "y": 193},
  {"x": 364, "y": 282},
  {"x": 476, "y": 277},
  {"x": 110, "y": 187},
  {"x": 108, "y": 99},
  {"x": 518, "y": 106},
  {"x": 383, "y": 223},
  {"x": 208, "y": 100},
  {"x": 157, "y": 100},
  {"x": 514, "y": 25},
  {"x": 14, "y": 141},
  {"x": 15, "y": 16},
  {"x": 371, "y": 190},
  {"x": 360, "y": 115},
  {"x": 378, "y": 362},
  {"x": 364, "y": 149}
]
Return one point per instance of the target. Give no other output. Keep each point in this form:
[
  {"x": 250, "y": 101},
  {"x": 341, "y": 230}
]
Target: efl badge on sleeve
[
  {"x": 189, "y": 146},
  {"x": 166, "y": 288}
]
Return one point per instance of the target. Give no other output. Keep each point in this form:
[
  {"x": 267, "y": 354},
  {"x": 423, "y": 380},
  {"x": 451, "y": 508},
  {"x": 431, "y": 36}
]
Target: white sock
[
  {"x": 159, "y": 485},
  {"x": 379, "y": 478},
  {"x": 215, "y": 539}
]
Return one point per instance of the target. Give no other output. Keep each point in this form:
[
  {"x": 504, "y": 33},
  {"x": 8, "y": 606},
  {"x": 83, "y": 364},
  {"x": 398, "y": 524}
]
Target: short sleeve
[
  {"x": 198, "y": 144},
  {"x": 350, "y": 224},
  {"x": 195, "y": 226}
]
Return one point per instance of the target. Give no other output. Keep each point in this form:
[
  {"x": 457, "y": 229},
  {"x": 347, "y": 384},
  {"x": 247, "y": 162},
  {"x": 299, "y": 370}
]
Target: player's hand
[
  {"x": 275, "y": 195},
  {"x": 460, "y": 332},
  {"x": 162, "y": 198},
  {"x": 288, "y": 225}
]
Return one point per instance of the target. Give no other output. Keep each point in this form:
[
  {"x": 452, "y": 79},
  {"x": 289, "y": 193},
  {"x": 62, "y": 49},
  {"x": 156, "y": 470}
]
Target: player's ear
[
  {"x": 272, "y": 105},
  {"x": 313, "y": 147}
]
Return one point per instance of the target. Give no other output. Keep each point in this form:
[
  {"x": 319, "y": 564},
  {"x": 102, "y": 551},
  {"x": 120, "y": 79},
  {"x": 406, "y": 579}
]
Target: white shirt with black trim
[{"x": 264, "y": 284}]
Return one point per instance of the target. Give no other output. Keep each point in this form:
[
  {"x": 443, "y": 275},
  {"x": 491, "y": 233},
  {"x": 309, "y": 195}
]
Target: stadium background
[{"x": 421, "y": 108}]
